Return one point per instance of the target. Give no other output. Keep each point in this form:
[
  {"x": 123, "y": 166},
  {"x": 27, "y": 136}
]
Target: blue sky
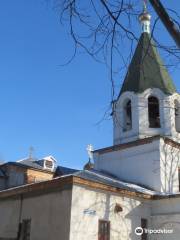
[{"x": 54, "y": 109}]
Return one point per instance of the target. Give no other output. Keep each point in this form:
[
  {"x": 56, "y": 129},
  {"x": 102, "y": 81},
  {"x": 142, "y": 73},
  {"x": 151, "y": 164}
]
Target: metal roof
[
  {"x": 147, "y": 69},
  {"x": 113, "y": 181},
  {"x": 30, "y": 163},
  {"x": 60, "y": 171}
]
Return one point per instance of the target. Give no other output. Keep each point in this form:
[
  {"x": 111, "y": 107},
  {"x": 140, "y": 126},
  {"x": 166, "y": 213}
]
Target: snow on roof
[{"x": 113, "y": 181}]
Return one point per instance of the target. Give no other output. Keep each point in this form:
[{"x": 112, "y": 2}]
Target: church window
[
  {"x": 177, "y": 115},
  {"x": 153, "y": 112},
  {"x": 104, "y": 230},
  {"x": 127, "y": 115},
  {"x": 144, "y": 226}
]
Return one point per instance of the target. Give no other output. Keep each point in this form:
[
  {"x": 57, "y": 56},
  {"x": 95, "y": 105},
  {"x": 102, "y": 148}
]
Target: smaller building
[{"x": 29, "y": 170}]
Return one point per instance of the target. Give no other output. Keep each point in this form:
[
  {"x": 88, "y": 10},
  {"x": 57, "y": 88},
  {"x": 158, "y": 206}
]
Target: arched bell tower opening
[
  {"x": 153, "y": 112},
  {"x": 127, "y": 114}
]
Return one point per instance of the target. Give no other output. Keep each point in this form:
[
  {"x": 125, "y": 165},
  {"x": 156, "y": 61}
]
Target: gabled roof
[
  {"x": 93, "y": 179},
  {"x": 28, "y": 164},
  {"x": 36, "y": 163},
  {"x": 147, "y": 70}
]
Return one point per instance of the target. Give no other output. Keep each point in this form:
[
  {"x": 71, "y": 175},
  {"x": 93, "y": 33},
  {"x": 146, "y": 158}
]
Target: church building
[{"x": 130, "y": 192}]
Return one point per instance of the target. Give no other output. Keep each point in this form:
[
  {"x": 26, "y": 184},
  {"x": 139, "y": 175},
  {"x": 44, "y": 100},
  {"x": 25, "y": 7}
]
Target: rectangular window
[
  {"x": 144, "y": 225},
  {"x": 25, "y": 229},
  {"x": 104, "y": 230}
]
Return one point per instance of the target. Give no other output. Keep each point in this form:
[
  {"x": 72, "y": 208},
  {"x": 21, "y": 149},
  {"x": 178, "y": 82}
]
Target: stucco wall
[
  {"x": 154, "y": 165},
  {"x": 140, "y": 123},
  {"x": 138, "y": 164},
  {"x": 166, "y": 215},
  {"x": 74, "y": 215},
  {"x": 88, "y": 206},
  {"x": 49, "y": 214},
  {"x": 169, "y": 162},
  {"x": 9, "y": 218}
]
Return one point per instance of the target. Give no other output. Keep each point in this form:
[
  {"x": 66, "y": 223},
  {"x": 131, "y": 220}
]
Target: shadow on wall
[
  {"x": 170, "y": 159},
  {"x": 122, "y": 223}
]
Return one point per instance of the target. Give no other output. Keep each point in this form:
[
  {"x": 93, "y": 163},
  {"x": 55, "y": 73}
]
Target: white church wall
[
  {"x": 166, "y": 215},
  {"x": 90, "y": 206},
  {"x": 169, "y": 124},
  {"x": 9, "y": 217},
  {"x": 154, "y": 165},
  {"x": 169, "y": 162},
  {"x": 49, "y": 214},
  {"x": 137, "y": 164}
]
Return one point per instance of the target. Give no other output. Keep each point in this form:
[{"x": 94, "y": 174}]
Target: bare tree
[{"x": 105, "y": 28}]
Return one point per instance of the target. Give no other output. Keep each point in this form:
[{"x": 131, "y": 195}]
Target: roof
[
  {"x": 30, "y": 162},
  {"x": 33, "y": 164},
  {"x": 36, "y": 163},
  {"x": 105, "y": 178},
  {"x": 147, "y": 70},
  {"x": 60, "y": 171},
  {"x": 93, "y": 179}
]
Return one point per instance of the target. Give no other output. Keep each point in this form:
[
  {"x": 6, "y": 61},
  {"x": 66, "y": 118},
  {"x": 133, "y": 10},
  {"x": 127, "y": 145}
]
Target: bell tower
[
  {"x": 146, "y": 121},
  {"x": 148, "y": 104}
]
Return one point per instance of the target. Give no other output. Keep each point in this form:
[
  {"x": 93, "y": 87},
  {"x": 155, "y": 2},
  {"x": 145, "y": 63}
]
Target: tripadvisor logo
[{"x": 139, "y": 231}]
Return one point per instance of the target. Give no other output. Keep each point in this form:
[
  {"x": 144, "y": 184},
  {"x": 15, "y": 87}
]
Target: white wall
[
  {"x": 169, "y": 162},
  {"x": 49, "y": 214},
  {"x": 154, "y": 165},
  {"x": 74, "y": 215},
  {"x": 166, "y": 215},
  {"x": 9, "y": 218},
  {"x": 160, "y": 214},
  {"x": 140, "y": 123},
  {"x": 138, "y": 164},
  {"x": 123, "y": 224}
]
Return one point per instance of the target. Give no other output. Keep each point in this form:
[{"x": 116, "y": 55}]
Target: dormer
[{"x": 48, "y": 163}]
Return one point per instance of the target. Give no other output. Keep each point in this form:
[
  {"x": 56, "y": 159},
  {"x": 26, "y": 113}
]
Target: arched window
[
  {"x": 127, "y": 115},
  {"x": 153, "y": 112},
  {"x": 177, "y": 115}
]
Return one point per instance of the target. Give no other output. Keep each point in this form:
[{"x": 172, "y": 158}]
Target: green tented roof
[{"x": 147, "y": 70}]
